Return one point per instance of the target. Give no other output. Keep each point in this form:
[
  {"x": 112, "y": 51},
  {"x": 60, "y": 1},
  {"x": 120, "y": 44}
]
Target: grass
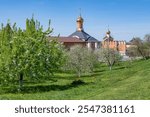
[{"x": 125, "y": 81}]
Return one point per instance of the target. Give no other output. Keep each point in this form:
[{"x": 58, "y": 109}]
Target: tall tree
[{"x": 31, "y": 55}]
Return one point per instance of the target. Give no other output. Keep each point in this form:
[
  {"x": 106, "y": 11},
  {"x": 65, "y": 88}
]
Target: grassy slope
[{"x": 120, "y": 83}]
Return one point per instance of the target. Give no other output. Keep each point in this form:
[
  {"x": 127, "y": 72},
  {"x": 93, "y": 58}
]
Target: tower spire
[
  {"x": 80, "y": 22},
  {"x": 80, "y": 11},
  {"x": 108, "y": 28},
  {"x": 108, "y": 31}
]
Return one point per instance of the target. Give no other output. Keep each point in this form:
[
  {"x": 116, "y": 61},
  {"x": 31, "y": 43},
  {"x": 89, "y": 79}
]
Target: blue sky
[{"x": 126, "y": 18}]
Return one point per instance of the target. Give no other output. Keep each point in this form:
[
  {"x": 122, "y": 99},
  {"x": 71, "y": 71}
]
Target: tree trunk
[
  {"x": 110, "y": 67},
  {"x": 20, "y": 81},
  {"x": 79, "y": 74}
]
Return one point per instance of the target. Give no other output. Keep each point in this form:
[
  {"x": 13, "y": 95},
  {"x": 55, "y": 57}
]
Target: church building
[{"x": 79, "y": 37}]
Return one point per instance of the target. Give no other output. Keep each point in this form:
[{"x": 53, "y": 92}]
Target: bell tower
[{"x": 80, "y": 23}]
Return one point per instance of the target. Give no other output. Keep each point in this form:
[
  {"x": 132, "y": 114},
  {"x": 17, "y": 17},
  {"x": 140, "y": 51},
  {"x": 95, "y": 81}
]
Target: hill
[{"x": 128, "y": 80}]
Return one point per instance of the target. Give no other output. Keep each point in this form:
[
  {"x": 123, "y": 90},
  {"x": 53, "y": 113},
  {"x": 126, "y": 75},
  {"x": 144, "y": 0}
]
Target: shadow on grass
[
  {"x": 58, "y": 77},
  {"x": 98, "y": 71},
  {"x": 46, "y": 88},
  {"x": 117, "y": 68},
  {"x": 74, "y": 76}
]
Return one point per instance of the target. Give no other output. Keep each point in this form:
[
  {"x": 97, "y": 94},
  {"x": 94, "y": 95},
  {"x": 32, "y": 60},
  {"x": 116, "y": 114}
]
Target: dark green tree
[{"x": 31, "y": 54}]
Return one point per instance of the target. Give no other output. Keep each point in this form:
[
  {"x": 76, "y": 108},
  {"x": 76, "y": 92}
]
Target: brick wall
[{"x": 116, "y": 45}]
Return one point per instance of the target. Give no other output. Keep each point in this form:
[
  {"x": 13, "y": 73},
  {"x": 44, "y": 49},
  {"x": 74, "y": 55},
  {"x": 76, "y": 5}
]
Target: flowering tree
[
  {"x": 109, "y": 56},
  {"x": 81, "y": 60},
  {"x": 28, "y": 53}
]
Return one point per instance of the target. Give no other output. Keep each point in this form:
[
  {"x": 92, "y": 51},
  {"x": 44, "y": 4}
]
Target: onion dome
[
  {"x": 108, "y": 32},
  {"x": 80, "y": 19}
]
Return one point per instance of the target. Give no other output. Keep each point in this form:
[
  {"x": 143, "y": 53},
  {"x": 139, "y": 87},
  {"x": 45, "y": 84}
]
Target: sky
[{"x": 125, "y": 18}]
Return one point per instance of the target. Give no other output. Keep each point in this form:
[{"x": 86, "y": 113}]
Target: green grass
[{"x": 125, "y": 81}]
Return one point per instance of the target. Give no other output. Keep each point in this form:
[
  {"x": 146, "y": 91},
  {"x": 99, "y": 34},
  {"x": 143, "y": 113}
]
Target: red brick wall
[
  {"x": 117, "y": 45},
  {"x": 122, "y": 46}
]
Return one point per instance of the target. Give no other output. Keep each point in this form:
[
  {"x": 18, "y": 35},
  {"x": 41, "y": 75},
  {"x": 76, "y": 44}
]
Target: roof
[
  {"x": 83, "y": 36},
  {"x": 67, "y": 39},
  {"x": 129, "y": 43},
  {"x": 108, "y": 38}
]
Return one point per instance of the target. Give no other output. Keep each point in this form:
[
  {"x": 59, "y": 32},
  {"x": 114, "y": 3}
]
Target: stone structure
[{"x": 109, "y": 42}]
